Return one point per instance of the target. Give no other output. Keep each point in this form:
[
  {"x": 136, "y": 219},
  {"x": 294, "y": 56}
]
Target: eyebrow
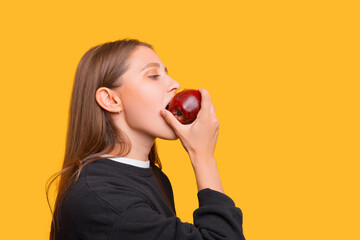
[{"x": 153, "y": 65}]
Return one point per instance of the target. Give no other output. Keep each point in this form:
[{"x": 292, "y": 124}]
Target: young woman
[{"x": 112, "y": 185}]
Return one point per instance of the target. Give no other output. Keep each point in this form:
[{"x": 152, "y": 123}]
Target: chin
[{"x": 169, "y": 135}]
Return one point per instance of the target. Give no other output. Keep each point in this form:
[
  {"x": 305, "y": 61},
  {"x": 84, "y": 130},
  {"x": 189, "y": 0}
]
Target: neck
[
  {"x": 141, "y": 142},
  {"x": 140, "y": 148}
]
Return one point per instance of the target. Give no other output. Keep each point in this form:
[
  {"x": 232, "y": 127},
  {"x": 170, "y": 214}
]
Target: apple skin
[{"x": 185, "y": 105}]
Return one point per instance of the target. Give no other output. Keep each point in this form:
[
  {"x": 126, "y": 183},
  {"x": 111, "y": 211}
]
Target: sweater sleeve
[{"x": 216, "y": 218}]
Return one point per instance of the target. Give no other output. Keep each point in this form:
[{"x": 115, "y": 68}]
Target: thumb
[{"x": 171, "y": 120}]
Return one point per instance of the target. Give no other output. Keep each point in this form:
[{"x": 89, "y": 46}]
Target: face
[{"x": 147, "y": 88}]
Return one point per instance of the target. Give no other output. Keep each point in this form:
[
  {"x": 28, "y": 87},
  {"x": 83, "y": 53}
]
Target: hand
[{"x": 198, "y": 138}]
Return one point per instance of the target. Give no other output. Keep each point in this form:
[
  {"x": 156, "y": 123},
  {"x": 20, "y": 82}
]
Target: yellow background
[{"x": 283, "y": 76}]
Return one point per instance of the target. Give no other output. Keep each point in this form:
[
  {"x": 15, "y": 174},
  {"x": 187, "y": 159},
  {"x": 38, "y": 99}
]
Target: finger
[
  {"x": 171, "y": 120},
  {"x": 205, "y": 99},
  {"x": 212, "y": 109},
  {"x": 213, "y": 113}
]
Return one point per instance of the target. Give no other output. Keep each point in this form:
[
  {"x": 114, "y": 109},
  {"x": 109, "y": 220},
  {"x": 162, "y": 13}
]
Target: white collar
[{"x": 130, "y": 161}]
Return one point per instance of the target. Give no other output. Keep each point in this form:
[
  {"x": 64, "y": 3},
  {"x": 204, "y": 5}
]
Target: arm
[
  {"x": 206, "y": 173},
  {"x": 216, "y": 218}
]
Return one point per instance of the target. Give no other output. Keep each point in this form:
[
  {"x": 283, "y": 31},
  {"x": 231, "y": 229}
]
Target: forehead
[{"x": 142, "y": 56}]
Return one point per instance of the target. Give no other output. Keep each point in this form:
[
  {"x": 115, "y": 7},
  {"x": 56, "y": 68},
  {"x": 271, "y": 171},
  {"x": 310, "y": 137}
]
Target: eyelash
[{"x": 154, "y": 76}]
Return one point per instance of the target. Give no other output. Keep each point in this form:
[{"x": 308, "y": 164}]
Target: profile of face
[{"x": 146, "y": 89}]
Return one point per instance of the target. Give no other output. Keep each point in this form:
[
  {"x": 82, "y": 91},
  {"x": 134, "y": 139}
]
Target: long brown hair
[{"x": 91, "y": 132}]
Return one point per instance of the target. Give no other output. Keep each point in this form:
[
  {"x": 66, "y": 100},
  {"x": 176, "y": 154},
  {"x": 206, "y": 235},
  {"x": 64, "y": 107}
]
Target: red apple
[{"x": 185, "y": 105}]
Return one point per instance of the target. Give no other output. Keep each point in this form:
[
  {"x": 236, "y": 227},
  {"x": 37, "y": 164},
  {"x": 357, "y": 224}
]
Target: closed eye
[{"x": 154, "y": 76}]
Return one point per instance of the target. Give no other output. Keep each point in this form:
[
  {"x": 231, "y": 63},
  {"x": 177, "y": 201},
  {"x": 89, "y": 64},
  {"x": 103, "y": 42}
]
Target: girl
[{"x": 112, "y": 185}]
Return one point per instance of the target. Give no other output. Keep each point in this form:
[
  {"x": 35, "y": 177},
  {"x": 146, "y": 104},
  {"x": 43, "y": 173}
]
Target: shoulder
[{"x": 100, "y": 185}]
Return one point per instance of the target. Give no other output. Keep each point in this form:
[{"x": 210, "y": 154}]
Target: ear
[{"x": 108, "y": 100}]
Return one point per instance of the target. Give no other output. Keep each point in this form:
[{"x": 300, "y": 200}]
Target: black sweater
[{"x": 117, "y": 201}]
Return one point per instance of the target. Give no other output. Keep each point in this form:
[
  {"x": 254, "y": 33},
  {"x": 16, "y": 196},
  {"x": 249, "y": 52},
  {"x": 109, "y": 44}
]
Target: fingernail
[{"x": 163, "y": 112}]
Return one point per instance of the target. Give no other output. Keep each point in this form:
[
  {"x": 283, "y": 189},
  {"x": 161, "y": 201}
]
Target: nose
[{"x": 174, "y": 85}]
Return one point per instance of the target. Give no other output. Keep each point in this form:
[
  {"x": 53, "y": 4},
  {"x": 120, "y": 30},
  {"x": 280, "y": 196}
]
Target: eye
[{"x": 154, "y": 76}]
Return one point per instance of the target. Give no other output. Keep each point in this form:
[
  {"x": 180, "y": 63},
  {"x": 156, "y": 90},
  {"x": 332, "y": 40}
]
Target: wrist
[
  {"x": 207, "y": 174},
  {"x": 202, "y": 161},
  {"x": 198, "y": 154}
]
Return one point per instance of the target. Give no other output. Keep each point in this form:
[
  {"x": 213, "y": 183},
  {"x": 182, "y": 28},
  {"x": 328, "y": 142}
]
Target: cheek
[
  {"x": 145, "y": 117},
  {"x": 142, "y": 108}
]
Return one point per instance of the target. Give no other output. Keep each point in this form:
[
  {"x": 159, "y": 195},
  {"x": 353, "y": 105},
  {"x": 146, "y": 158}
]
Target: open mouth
[{"x": 167, "y": 106}]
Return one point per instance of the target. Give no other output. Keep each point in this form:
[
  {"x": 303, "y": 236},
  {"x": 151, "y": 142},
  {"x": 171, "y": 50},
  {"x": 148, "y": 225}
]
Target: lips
[{"x": 167, "y": 106}]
